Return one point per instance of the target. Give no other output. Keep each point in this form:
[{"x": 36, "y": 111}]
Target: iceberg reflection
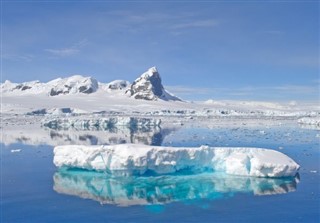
[{"x": 126, "y": 191}]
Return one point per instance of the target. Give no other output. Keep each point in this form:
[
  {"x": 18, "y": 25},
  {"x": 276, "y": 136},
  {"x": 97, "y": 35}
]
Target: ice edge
[{"x": 133, "y": 159}]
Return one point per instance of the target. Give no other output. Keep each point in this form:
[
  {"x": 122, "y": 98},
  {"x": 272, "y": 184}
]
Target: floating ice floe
[
  {"x": 127, "y": 191},
  {"x": 104, "y": 123},
  {"x": 310, "y": 121},
  {"x": 132, "y": 159}
]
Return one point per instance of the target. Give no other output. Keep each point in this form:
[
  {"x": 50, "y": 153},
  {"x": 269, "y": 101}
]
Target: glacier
[{"x": 133, "y": 159}]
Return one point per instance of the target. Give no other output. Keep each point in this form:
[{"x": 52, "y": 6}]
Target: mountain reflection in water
[
  {"x": 115, "y": 135},
  {"x": 148, "y": 135},
  {"x": 126, "y": 191}
]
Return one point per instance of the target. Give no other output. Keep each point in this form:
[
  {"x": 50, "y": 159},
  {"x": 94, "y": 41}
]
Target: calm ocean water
[{"x": 34, "y": 190}]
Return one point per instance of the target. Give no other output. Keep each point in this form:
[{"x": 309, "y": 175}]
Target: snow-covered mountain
[
  {"x": 72, "y": 85},
  {"x": 60, "y": 86},
  {"x": 146, "y": 96},
  {"x": 148, "y": 87}
]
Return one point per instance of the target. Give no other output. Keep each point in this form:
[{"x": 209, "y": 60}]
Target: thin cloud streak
[
  {"x": 196, "y": 24},
  {"x": 62, "y": 52},
  {"x": 68, "y": 51},
  {"x": 162, "y": 20},
  {"x": 16, "y": 57}
]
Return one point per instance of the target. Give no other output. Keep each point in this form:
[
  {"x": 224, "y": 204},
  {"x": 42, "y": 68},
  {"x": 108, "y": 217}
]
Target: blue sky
[{"x": 248, "y": 50}]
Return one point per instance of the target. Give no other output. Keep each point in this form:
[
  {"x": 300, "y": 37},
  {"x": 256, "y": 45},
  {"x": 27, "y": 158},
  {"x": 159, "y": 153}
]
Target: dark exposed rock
[
  {"x": 57, "y": 91},
  {"x": 25, "y": 88},
  {"x": 22, "y": 87},
  {"x": 149, "y": 87},
  {"x": 86, "y": 89},
  {"x": 118, "y": 85}
]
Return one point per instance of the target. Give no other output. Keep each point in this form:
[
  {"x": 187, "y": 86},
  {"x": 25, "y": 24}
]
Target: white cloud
[
  {"x": 62, "y": 52},
  {"x": 177, "y": 21},
  {"x": 196, "y": 24},
  {"x": 16, "y": 57},
  {"x": 68, "y": 51}
]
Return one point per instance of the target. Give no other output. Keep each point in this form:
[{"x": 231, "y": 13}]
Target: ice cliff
[{"x": 132, "y": 159}]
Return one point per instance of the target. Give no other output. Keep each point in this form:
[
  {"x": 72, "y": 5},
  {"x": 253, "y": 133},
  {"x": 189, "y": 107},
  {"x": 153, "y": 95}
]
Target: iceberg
[
  {"x": 133, "y": 159},
  {"x": 127, "y": 191}
]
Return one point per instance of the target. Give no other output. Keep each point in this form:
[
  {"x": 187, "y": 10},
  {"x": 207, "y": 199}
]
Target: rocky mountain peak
[{"x": 149, "y": 87}]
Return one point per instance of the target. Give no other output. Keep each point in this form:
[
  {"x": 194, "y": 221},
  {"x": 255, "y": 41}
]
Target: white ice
[
  {"x": 99, "y": 122},
  {"x": 132, "y": 159},
  {"x": 310, "y": 121}
]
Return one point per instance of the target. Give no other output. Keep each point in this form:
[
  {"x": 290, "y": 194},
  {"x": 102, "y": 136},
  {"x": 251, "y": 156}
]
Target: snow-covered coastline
[
  {"x": 115, "y": 104},
  {"x": 146, "y": 96}
]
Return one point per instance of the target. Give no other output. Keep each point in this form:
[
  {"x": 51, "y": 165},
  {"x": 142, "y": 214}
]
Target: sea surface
[{"x": 34, "y": 190}]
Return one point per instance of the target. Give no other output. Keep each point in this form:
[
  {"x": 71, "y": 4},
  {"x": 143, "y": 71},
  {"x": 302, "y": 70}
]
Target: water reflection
[
  {"x": 148, "y": 135},
  {"x": 114, "y": 135},
  {"x": 128, "y": 191}
]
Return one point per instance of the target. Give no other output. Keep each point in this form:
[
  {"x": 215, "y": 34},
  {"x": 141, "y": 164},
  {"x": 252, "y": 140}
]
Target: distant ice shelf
[
  {"x": 315, "y": 121},
  {"x": 104, "y": 123},
  {"x": 132, "y": 159}
]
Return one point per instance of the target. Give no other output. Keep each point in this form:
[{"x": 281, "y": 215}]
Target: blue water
[{"x": 34, "y": 190}]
